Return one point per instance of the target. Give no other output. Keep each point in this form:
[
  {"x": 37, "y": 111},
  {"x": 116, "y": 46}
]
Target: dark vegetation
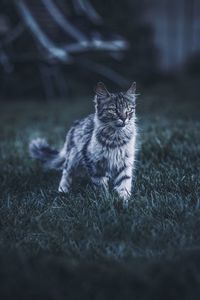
[{"x": 81, "y": 246}]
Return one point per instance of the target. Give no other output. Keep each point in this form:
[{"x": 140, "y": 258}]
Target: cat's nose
[
  {"x": 123, "y": 117},
  {"x": 121, "y": 122}
]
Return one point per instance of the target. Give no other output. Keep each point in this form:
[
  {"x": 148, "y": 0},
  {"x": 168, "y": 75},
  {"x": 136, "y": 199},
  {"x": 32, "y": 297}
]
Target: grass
[{"x": 80, "y": 246}]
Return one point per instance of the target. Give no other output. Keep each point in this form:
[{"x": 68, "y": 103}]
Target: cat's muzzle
[{"x": 121, "y": 123}]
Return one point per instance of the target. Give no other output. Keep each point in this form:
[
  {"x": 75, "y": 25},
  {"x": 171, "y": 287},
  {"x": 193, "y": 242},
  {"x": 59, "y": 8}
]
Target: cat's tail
[{"x": 52, "y": 159}]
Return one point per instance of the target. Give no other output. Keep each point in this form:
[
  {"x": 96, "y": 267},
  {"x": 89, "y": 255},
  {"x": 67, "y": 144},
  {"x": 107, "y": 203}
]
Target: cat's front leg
[
  {"x": 65, "y": 182},
  {"x": 123, "y": 184}
]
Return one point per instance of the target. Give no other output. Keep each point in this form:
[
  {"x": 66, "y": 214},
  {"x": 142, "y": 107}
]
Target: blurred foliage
[
  {"x": 27, "y": 72},
  {"x": 123, "y": 17},
  {"x": 128, "y": 19}
]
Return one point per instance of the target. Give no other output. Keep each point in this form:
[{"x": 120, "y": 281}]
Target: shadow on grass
[{"x": 48, "y": 277}]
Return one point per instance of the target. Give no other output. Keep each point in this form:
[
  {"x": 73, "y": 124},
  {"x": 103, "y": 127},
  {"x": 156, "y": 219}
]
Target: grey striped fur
[{"x": 102, "y": 144}]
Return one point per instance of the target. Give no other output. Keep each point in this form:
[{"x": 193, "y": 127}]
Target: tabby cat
[{"x": 103, "y": 145}]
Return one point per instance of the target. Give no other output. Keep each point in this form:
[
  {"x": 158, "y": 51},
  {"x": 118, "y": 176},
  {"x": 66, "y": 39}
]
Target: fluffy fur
[{"x": 102, "y": 145}]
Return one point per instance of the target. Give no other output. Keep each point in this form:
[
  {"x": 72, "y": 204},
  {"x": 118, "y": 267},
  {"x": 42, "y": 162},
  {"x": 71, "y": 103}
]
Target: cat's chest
[
  {"x": 112, "y": 158},
  {"x": 115, "y": 157}
]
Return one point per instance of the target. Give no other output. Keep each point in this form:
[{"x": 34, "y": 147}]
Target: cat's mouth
[{"x": 120, "y": 125}]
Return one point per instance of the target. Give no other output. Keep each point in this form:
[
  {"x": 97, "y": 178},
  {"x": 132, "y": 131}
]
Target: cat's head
[{"x": 115, "y": 109}]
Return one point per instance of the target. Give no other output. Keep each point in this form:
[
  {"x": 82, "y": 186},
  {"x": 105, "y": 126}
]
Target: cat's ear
[
  {"x": 131, "y": 91},
  {"x": 101, "y": 90}
]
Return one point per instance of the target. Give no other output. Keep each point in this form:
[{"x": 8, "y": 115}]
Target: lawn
[{"x": 81, "y": 246}]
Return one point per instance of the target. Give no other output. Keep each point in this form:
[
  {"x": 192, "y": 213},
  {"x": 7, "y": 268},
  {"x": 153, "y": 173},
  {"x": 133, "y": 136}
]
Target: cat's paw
[
  {"x": 63, "y": 189},
  {"x": 124, "y": 196}
]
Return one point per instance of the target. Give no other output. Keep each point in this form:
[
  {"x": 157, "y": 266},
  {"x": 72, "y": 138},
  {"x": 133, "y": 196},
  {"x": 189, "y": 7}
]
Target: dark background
[{"x": 159, "y": 42}]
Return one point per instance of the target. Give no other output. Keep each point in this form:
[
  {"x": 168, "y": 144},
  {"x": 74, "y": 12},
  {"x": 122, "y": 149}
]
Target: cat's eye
[
  {"x": 131, "y": 109},
  {"x": 111, "y": 112}
]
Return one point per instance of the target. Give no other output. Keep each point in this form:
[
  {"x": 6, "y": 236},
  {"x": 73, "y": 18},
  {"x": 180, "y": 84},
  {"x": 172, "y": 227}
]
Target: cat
[{"x": 103, "y": 145}]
